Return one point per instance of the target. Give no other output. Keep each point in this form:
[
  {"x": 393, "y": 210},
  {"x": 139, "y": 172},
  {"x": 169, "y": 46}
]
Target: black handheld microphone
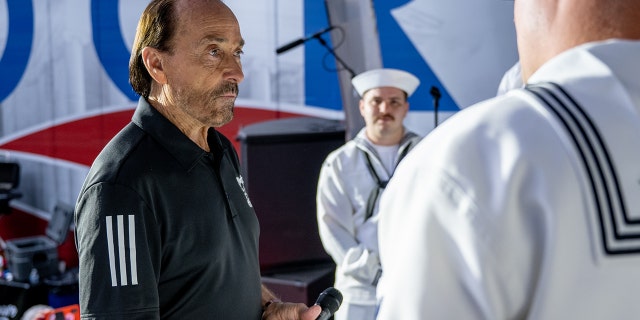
[
  {"x": 300, "y": 41},
  {"x": 330, "y": 300}
]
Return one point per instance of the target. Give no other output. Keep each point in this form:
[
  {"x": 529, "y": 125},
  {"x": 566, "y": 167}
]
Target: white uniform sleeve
[
  {"x": 336, "y": 223},
  {"x": 457, "y": 231}
]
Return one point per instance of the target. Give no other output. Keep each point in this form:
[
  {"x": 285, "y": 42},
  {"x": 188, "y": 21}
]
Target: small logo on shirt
[{"x": 246, "y": 195}]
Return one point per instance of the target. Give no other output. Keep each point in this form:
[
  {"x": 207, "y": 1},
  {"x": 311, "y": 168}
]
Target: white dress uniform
[
  {"x": 512, "y": 79},
  {"x": 523, "y": 206},
  {"x": 344, "y": 186}
]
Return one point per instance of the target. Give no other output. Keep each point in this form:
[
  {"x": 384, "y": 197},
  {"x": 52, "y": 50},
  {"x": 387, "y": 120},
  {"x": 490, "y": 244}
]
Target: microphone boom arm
[
  {"x": 333, "y": 53},
  {"x": 300, "y": 41},
  {"x": 317, "y": 36}
]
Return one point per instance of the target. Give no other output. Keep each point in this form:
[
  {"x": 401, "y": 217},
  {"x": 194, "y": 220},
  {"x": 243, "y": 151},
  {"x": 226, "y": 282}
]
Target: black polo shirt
[{"x": 165, "y": 229}]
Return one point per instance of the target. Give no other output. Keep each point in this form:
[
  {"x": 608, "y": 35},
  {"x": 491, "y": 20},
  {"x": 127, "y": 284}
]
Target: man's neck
[
  {"x": 388, "y": 139},
  {"x": 193, "y": 129}
]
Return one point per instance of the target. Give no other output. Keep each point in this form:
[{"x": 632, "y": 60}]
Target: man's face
[
  {"x": 384, "y": 110},
  {"x": 203, "y": 70}
]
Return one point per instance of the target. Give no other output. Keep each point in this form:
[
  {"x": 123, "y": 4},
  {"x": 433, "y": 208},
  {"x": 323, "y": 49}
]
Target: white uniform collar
[{"x": 609, "y": 58}]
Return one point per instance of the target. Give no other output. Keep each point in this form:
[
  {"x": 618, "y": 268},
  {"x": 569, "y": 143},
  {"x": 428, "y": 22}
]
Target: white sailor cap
[{"x": 377, "y": 78}]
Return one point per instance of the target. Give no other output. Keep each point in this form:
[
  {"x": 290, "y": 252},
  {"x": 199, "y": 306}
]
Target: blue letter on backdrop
[
  {"x": 14, "y": 61},
  {"x": 110, "y": 46}
]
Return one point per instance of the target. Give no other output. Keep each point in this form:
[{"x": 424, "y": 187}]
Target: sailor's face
[{"x": 384, "y": 110}]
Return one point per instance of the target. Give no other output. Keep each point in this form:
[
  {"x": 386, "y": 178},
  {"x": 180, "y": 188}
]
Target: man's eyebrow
[
  {"x": 389, "y": 98},
  {"x": 209, "y": 39}
]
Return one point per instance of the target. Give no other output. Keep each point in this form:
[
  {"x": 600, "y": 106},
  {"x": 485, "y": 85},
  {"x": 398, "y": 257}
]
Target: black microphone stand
[
  {"x": 435, "y": 93},
  {"x": 318, "y": 36},
  {"x": 333, "y": 53}
]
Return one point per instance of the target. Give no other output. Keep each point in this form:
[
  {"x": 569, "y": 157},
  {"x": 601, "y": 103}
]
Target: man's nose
[
  {"x": 383, "y": 107},
  {"x": 233, "y": 70}
]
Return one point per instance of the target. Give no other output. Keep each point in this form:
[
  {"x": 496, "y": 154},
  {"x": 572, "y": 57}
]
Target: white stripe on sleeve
[
  {"x": 112, "y": 262},
  {"x": 121, "y": 251},
  {"x": 132, "y": 250}
]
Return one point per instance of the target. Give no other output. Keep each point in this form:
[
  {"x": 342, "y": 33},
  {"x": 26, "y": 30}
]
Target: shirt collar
[
  {"x": 362, "y": 140},
  {"x": 165, "y": 133}
]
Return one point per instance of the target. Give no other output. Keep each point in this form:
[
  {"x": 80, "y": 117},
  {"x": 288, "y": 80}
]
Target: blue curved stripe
[
  {"x": 398, "y": 52},
  {"x": 322, "y": 88},
  {"x": 13, "y": 62},
  {"x": 110, "y": 47}
]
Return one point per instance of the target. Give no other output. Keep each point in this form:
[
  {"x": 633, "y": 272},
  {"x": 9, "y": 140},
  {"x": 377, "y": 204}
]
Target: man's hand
[{"x": 291, "y": 311}]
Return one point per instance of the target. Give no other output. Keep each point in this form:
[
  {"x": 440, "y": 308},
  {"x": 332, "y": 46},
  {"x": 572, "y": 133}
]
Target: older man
[{"x": 165, "y": 229}]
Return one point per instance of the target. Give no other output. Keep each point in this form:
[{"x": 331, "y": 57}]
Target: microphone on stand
[
  {"x": 329, "y": 300},
  {"x": 300, "y": 41},
  {"x": 435, "y": 94}
]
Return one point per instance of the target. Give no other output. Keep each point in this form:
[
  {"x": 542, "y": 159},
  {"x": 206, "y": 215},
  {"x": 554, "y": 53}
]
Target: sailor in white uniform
[
  {"x": 527, "y": 206},
  {"x": 351, "y": 179}
]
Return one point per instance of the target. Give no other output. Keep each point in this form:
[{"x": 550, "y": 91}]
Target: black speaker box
[
  {"x": 302, "y": 284},
  {"x": 281, "y": 161}
]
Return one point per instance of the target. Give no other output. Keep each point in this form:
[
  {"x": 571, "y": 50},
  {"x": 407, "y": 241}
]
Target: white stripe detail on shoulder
[
  {"x": 132, "y": 250},
  {"x": 121, "y": 251},
  {"x": 119, "y": 261},
  {"x": 112, "y": 260}
]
